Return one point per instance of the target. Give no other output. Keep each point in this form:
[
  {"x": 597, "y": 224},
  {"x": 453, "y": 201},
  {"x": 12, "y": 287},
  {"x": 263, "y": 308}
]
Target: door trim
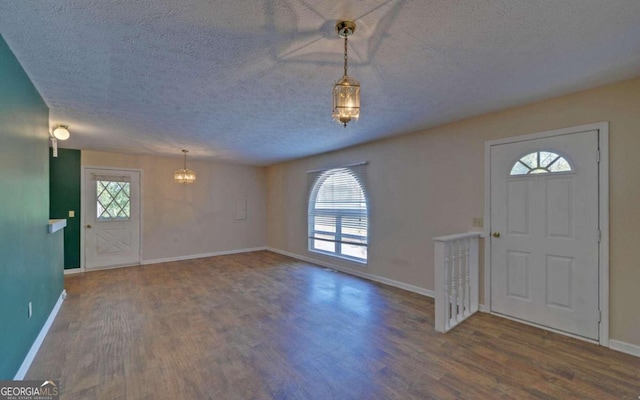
[
  {"x": 83, "y": 210},
  {"x": 603, "y": 216}
]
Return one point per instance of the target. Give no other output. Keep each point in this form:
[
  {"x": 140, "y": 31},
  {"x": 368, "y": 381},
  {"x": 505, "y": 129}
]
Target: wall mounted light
[
  {"x": 184, "y": 175},
  {"x": 346, "y": 91},
  {"x": 60, "y": 132}
]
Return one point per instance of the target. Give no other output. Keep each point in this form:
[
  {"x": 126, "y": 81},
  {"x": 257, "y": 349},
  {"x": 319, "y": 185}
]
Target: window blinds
[{"x": 338, "y": 209}]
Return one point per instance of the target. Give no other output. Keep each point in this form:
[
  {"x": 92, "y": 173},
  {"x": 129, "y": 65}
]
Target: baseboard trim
[
  {"x": 623, "y": 347},
  {"x": 371, "y": 277},
  {"x": 33, "y": 351},
  {"x": 72, "y": 271},
  {"x": 203, "y": 255}
]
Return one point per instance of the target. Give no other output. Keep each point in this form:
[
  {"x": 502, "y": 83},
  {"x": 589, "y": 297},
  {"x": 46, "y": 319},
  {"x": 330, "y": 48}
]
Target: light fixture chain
[{"x": 345, "y": 56}]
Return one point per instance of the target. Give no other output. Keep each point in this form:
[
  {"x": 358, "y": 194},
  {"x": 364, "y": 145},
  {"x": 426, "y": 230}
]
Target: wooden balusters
[{"x": 456, "y": 279}]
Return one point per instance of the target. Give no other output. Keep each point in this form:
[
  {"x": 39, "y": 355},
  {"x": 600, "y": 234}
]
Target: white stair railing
[{"x": 456, "y": 279}]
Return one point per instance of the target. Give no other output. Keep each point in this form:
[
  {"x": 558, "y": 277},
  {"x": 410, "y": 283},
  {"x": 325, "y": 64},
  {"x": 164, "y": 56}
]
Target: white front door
[
  {"x": 111, "y": 217},
  {"x": 544, "y": 232}
]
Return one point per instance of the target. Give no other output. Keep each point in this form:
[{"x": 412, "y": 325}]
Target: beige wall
[
  {"x": 431, "y": 183},
  {"x": 199, "y": 216}
]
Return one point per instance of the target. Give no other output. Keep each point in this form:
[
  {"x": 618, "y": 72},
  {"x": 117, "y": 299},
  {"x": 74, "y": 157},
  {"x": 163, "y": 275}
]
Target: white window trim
[{"x": 338, "y": 214}]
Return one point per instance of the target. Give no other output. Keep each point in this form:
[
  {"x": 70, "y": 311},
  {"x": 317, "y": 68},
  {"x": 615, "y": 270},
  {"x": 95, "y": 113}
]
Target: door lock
[{"x": 496, "y": 234}]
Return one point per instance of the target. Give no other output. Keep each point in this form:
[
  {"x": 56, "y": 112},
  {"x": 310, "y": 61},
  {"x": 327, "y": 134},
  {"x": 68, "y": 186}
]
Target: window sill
[{"x": 341, "y": 257}]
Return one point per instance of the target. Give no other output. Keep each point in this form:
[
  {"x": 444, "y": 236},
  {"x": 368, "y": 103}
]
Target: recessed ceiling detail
[{"x": 249, "y": 81}]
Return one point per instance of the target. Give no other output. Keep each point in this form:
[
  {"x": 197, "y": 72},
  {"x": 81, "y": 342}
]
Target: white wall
[
  {"x": 184, "y": 220},
  {"x": 431, "y": 183}
]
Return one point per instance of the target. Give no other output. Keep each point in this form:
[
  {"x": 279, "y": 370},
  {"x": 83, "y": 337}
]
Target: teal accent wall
[
  {"x": 30, "y": 258},
  {"x": 64, "y": 196}
]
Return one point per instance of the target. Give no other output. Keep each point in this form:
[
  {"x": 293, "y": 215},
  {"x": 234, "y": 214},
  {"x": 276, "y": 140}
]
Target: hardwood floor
[{"x": 264, "y": 326}]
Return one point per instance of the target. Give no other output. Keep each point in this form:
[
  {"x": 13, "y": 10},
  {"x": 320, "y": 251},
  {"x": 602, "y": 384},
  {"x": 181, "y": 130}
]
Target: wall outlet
[
  {"x": 30, "y": 309},
  {"x": 72, "y": 214},
  {"x": 477, "y": 222}
]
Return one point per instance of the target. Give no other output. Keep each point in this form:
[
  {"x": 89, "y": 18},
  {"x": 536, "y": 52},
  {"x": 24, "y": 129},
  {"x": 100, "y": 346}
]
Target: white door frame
[
  {"x": 83, "y": 209},
  {"x": 603, "y": 217}
]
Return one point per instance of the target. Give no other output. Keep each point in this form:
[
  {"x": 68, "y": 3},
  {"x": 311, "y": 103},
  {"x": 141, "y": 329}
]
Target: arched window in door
[{"x": 540, "y": 162}]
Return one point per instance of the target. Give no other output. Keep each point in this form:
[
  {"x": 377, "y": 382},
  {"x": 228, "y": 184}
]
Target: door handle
[
  {"x": 496, "y": 234},
  {"x": 88, "y": 226}
]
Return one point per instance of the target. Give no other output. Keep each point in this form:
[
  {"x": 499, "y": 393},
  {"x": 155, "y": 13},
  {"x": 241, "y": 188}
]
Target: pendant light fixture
[
  {"x": 346, "y": 91},
  {"x": 184, "y": 175}
]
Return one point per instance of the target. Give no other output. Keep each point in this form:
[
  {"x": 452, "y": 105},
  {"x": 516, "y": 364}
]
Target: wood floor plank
[{"x": 264, "y": 326}]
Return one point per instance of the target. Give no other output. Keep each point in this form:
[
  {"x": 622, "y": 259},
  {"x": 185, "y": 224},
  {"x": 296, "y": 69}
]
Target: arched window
[
  {"x": 540, "y": 162},
  {"x": 338, "y": 213}
]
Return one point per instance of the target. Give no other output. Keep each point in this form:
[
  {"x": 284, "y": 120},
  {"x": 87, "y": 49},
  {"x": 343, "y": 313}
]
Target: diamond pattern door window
[{"x": 113, "y": 200}]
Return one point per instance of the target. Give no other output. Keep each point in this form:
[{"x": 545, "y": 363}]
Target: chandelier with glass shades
[
  {"x": 184, "y": 175},
  {"x": 346, "y": 91}
]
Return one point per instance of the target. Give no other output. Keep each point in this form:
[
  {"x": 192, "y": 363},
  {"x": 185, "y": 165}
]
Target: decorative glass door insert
[{"x": 113, "y": 200}]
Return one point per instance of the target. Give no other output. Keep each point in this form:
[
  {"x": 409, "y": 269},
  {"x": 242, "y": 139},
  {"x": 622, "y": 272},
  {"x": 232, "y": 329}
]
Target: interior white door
[
  {"x": 112, "y": 217},
  {"x": 545, "y": 234}
]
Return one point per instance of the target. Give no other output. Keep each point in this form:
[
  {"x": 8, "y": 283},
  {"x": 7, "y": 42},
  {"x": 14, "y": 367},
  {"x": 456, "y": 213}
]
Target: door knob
[
  {"x": 89, "y": 226},
  {"x": 496, "y": 234}
]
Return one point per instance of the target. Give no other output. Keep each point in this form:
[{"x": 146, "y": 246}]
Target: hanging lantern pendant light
[
  {"x": 184, "y": 175},
  {"x": 346, "y": 91}
]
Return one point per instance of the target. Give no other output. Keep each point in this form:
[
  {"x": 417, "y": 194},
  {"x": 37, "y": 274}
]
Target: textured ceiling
[{"x": 250, "y": 81}]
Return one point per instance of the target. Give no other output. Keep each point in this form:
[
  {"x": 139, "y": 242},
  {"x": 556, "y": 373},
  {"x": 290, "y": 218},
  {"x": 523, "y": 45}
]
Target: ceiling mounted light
[
  {"x": 61, "y": 132},
  {"x": 346, "y": 91},
  {"x": 184, "y": 175}
]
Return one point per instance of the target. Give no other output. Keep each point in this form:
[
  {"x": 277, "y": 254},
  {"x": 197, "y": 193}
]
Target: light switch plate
[
  {"x": 477, "y": 222},
  {"x": 72, "y": 214}
]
